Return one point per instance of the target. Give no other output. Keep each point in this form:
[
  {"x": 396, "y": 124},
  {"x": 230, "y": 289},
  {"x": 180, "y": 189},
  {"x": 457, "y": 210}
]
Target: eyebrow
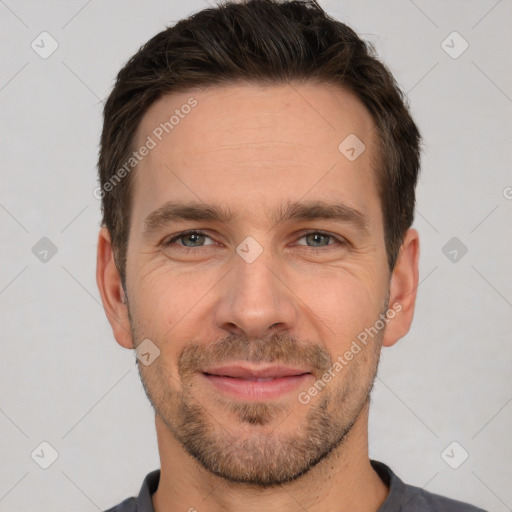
[{"x": 172, "y": 211}]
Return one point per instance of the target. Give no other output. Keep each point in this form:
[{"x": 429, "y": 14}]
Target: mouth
[{"x": 246, "y": 382}]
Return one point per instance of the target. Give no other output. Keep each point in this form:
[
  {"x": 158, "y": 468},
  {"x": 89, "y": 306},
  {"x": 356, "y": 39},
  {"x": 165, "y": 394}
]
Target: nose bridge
[
  {"x": 256, "y": 281},
  {"x": 254, "y": 299}
]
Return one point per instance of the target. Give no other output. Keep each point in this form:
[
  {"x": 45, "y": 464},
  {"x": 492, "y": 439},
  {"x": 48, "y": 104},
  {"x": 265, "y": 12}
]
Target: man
[{"x": 258, "y": 169}]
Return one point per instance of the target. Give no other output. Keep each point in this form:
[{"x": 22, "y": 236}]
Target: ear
[
  {"x": 402, "y": 292},
  {"x": 111, "y": 291}
]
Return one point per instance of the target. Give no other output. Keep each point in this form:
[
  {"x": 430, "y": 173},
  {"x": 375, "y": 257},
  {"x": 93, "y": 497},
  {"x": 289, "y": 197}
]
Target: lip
[
  {"x": 242, "y": 381},
  {"x": 255, "y": 372}
]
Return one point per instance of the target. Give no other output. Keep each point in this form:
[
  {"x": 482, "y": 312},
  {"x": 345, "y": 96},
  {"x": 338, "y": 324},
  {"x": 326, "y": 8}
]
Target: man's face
[{"x": 256, "y": 290}]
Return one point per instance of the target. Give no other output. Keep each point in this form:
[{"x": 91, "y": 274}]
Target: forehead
[{"x": 242, "y": 144}]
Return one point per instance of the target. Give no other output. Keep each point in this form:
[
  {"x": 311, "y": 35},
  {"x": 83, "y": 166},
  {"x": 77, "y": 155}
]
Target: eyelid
[
  {"x": 340, "y": 240},
  {"x": 177, "y": 236}
]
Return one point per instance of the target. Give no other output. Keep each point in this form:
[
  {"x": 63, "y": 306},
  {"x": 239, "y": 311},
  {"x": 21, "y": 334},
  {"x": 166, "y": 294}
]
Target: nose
[{"x": 255, "y": 298}]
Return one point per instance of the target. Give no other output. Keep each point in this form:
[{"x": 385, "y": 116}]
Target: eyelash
[{"x": 340, "y": 241}]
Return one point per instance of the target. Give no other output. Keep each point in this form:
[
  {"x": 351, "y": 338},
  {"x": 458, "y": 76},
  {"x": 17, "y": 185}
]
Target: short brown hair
[{"x": 264, "y": 42}]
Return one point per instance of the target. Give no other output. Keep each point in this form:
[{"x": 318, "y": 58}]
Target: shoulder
[
  {"x": 141, "y": 503},
  {"x": 403, "y": 497},
  {"x": 421, "y": 500},
  {"x": 128, "y": 505}
]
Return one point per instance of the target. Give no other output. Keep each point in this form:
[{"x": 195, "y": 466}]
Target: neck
[{"x": 343, "y": 481}]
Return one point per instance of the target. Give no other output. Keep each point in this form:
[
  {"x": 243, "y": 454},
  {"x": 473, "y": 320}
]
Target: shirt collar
[
  {"x": 391, "y": 504},
  {"x": 149, "y": 486}
]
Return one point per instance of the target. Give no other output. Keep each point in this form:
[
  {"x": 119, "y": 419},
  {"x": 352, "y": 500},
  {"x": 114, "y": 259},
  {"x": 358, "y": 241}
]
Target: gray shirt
[{"x": 401, "y": 497}]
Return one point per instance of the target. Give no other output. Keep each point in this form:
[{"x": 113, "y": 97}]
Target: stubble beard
[{"x": 256, "y": 453}]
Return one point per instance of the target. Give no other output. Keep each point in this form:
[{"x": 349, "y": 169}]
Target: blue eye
[
  {"x": 197, "y": 239},
  {"x": 315, "y": 237},
  {"x": 195, "y": 236}
]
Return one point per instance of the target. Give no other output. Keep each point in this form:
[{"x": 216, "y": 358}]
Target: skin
[{"x": 302, "y": 301}]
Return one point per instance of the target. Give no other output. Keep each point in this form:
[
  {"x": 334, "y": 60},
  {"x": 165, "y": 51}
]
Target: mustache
[{"x": 276, "y": 348}]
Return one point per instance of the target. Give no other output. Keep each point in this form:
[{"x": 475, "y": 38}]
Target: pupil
[
  {"x": 194, "y": 236},
  {"x": 317, "y": 237}
]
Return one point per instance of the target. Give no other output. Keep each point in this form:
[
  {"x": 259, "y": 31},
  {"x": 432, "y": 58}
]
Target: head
[{"x": 272, "y": 135}]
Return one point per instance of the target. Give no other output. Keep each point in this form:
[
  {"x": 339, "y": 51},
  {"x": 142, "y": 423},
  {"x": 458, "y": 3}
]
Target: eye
[
  {"x": 319, "y": 237},
  {"x": 196, "y": 239}
]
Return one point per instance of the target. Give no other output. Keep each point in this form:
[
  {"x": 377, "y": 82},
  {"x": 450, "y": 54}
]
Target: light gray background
[{"x": 63, "y": 378}]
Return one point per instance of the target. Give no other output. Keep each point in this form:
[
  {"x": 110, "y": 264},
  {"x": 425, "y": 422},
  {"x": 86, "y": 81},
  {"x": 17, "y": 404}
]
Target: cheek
[
  {"x": 341, "y": 304},
  {"x": 173, "y": 307},
  {"x": 167, "y": 304},
  {"x": 165, "y": 294}
]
